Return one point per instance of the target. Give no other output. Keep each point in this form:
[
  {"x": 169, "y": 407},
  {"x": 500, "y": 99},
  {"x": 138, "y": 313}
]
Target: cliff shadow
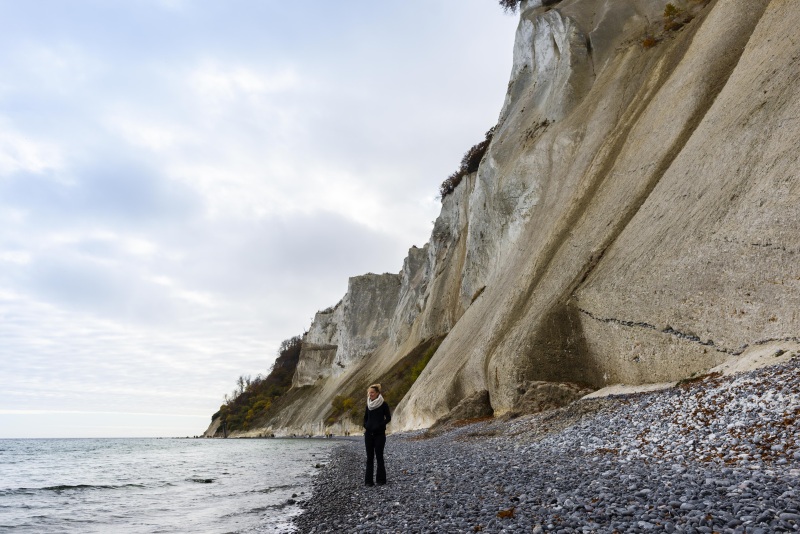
[{"x": 559, "y": 352}]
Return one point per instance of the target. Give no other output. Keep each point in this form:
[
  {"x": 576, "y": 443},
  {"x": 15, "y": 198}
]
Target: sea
[{"x": 156, "y": 485}]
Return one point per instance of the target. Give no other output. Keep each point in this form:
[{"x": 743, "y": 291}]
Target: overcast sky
[{"x": 184, "y": 183}]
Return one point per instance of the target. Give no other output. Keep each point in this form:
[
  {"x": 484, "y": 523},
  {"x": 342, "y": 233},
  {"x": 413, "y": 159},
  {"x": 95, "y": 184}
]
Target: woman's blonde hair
[{"x": 376, "y": 387}]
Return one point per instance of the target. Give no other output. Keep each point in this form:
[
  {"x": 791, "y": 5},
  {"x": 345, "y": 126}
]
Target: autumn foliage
[
  {"x": 396, "y": 382},
  {"x": 253, "y": 397}
]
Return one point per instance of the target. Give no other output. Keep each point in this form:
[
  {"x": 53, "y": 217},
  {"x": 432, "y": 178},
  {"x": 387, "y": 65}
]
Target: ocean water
[{"x": 155, "y": 485}]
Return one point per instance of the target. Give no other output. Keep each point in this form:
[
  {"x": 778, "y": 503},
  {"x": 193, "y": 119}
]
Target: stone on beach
[{"x": 700, "y": 457}]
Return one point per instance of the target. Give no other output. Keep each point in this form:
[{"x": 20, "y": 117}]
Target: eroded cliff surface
[
  {"x": 646, "y": 249},
  {"x": 635, "y": 219}
]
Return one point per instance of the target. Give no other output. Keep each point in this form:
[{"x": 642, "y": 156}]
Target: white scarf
[{"x": 375, "y": 404}]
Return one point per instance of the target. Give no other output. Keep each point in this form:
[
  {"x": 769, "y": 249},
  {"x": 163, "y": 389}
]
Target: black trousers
[{"x": 375, "y": 441}]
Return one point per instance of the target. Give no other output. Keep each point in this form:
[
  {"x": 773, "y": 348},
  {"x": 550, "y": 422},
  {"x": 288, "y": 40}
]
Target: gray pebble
[{"x": 638, "y": 463}]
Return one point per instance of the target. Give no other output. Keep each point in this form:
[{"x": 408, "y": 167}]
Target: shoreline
[{"x": 721, "y": 454}]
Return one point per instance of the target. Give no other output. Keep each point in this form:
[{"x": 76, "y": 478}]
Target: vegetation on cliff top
[
  {"x": 509, "y": 6},
  {"x": 254, "y": 400},
  {"x": 253, "y": 397},
  {"x": 469, "y": 164},
  {"x": 395, "y": 383},
  {"x": 676, "y": 15}
]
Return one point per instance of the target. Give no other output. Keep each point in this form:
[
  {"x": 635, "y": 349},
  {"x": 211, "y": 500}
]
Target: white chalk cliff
[{"x": 636, "y": 219}]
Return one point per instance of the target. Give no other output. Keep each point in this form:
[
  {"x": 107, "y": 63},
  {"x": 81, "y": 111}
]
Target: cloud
[
  {"x": 172, "y": 5},
  {"x": 57, "y": 67},
  {"x": 183, "y": 184},
  {"x": 214, "y": 83},
  {"x": 20, "y": 257},
  {"x": 74, "y": 356},
  {"x": 110, "y": 191},
  {"x": 149, "y": 132},
  {"x": 22, "y": 154},
  {"x": 98, "y": 412}
]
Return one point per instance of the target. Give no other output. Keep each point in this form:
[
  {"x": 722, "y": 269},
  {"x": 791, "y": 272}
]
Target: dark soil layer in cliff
[{"x": 714, "y": 455}]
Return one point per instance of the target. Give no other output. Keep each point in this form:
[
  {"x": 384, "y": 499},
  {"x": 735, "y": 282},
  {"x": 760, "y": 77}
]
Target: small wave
[
  {"x": 262, "y": 509},
  {"x": 259, "y": 510},
  {"x": 18, "y": 491},
  {"x": 283, "y": 505},
  {"x": 67, "y": 487},
  {"x": 274, "y": 488},
  {"x": 201, "y": 480}
]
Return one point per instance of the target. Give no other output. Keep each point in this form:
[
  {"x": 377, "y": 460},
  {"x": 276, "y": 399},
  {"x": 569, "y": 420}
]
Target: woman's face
[{"x": 372, "y": 394}]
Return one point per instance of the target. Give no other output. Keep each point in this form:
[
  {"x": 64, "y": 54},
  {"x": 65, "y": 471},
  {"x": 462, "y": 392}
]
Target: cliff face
[
  {"x": 319, "y": 348},
  {"x": 636, "y": 218}
]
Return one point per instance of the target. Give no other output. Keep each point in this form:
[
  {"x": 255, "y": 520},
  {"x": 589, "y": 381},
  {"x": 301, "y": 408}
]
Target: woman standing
[{"x": 376, "y": 417}]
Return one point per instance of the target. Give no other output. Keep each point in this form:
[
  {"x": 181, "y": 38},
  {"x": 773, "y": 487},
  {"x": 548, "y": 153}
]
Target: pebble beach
[{"x": 715, "y": 454}]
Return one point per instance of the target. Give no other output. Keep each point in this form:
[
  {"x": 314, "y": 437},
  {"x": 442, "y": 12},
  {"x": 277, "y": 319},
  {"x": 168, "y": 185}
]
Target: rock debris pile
[{"x": 718, "y": 454}]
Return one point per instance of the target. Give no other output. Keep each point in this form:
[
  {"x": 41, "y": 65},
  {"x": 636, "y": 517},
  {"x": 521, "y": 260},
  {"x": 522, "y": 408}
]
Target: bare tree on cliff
[{"x": 252, "y": 398}]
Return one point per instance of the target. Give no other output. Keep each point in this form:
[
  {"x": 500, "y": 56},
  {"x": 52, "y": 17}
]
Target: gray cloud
[{"x": 182, "y": 185}]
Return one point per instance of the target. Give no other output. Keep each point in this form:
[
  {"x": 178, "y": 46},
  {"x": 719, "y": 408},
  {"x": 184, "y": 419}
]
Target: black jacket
[{"x": 378, "y": 418}]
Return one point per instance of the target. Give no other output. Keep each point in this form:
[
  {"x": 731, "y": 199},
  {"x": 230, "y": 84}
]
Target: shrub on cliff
[
  {"x": 510, "y": 6},
  {"x": 396, "y": 382},
  {"x": 676, "y": 15},
  {"x": 403, "y": 375},
  {"x": 469, "y": 164},
  {"x": 674, "y": 18},
  {"x": 342, "y": 405}
]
